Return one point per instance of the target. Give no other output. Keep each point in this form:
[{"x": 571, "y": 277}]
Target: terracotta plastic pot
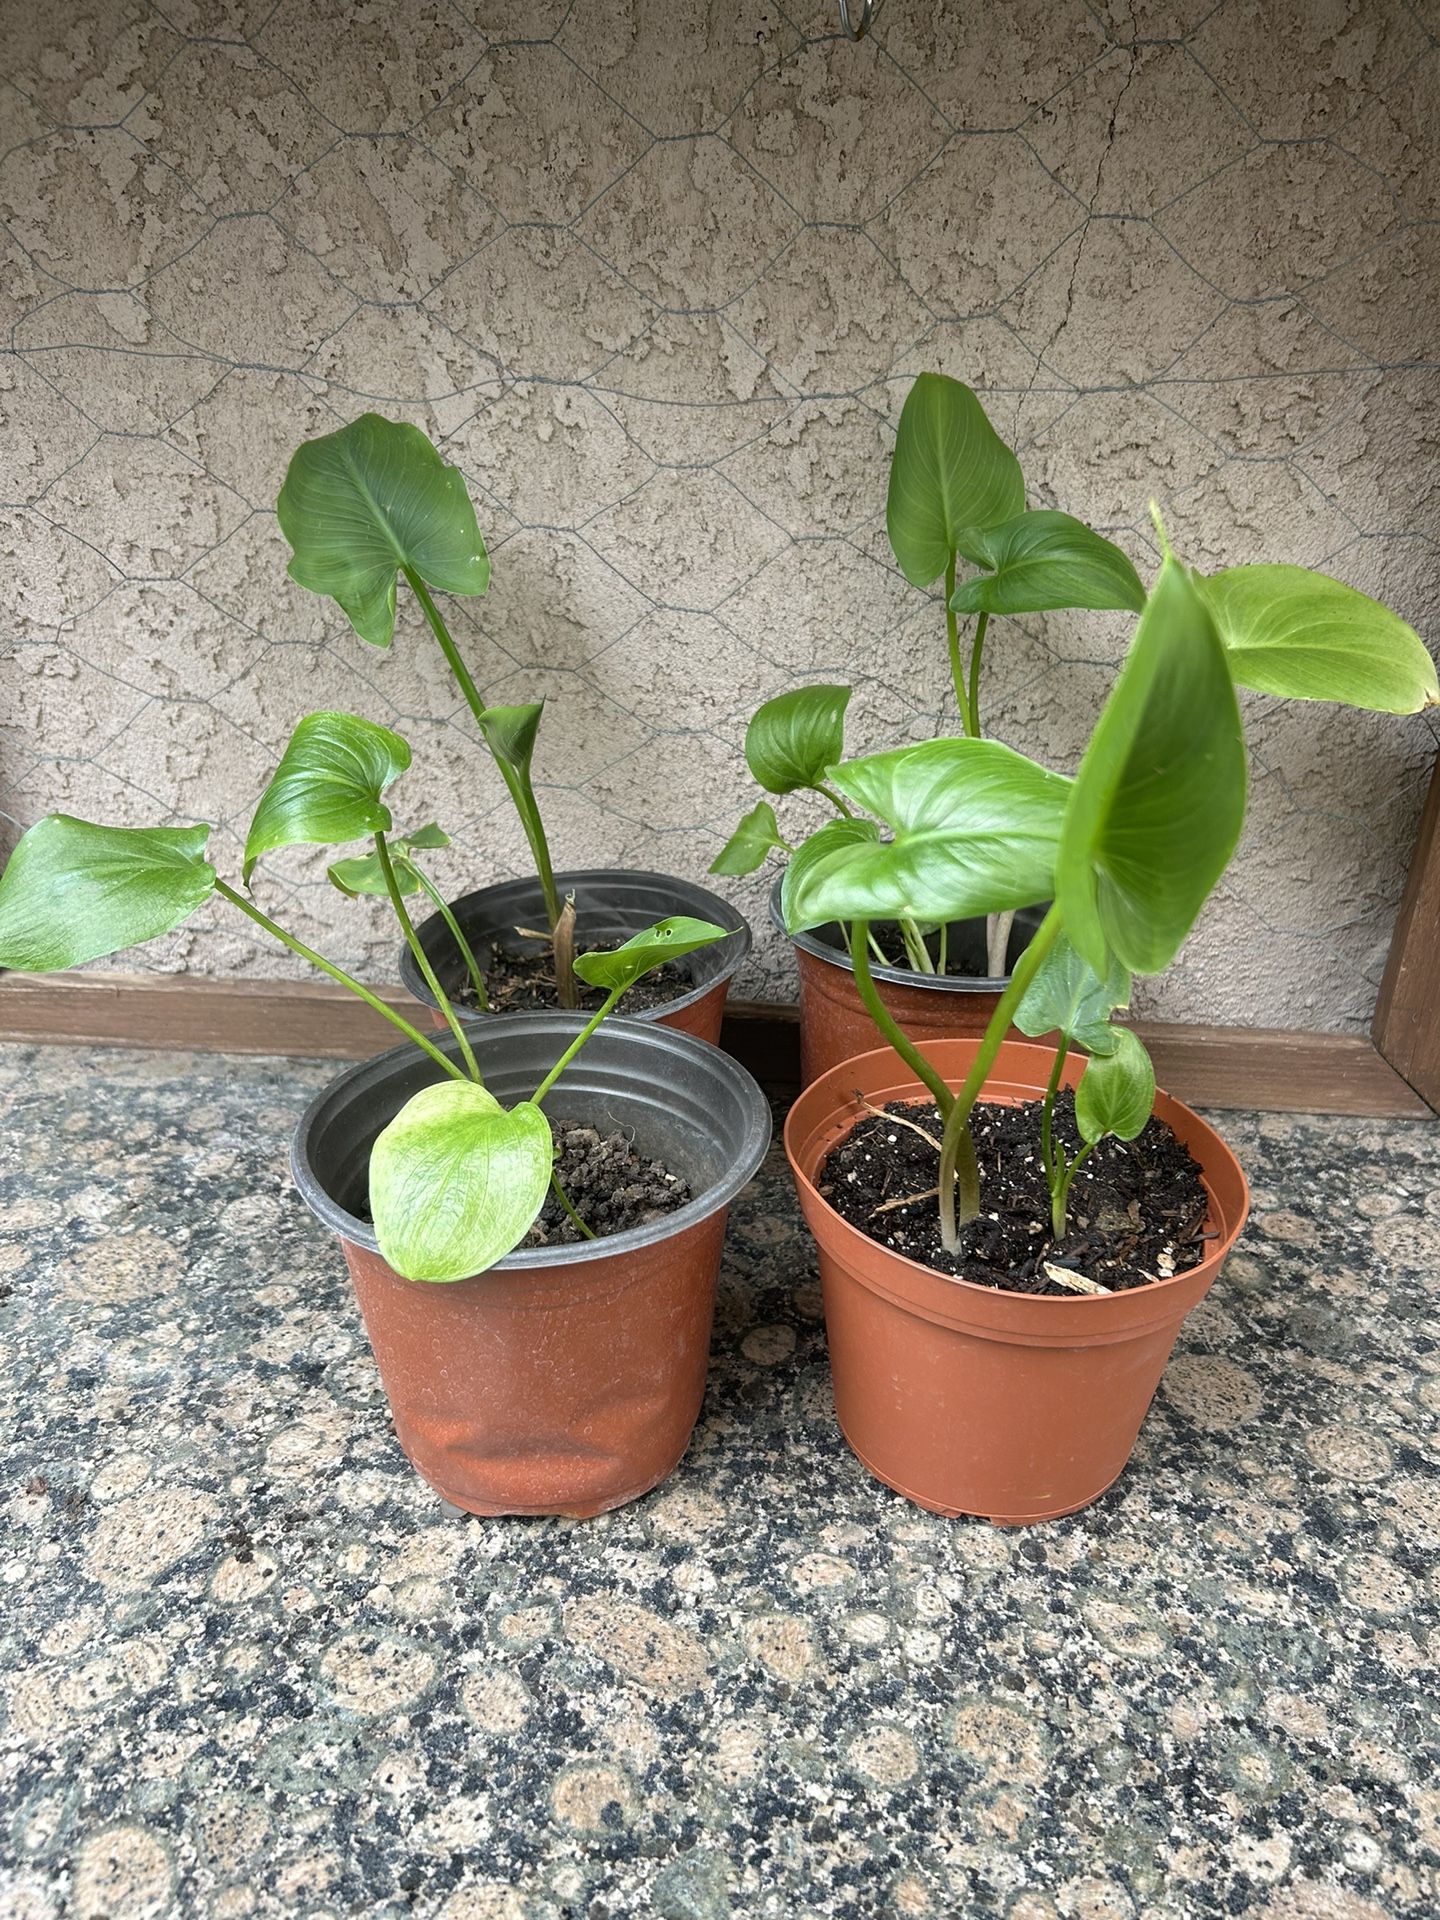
[
  {"x": 968, "y": 1400},
  {"x": 566, "y": 1379},
  {"x": 834, "y": 1025},
  {"x": 609, "y": 907}
]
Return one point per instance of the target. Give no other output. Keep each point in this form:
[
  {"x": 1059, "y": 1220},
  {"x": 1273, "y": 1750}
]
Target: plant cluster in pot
[
  {"x": 956, "y": 494},
  {"x": 362, "y": 508},
  {"x": 531, "y": 1206},
  {"x": 1003, "y": 1283}
]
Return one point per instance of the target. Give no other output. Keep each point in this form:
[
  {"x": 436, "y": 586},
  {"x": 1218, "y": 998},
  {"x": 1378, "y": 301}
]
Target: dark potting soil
[
  {"x": 1136, "y": 1211},
  {"x": 525, "y": 983},
  {"x": 610, "y": 1186}
]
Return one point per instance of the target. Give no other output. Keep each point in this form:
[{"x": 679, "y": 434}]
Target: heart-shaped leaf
[
  {"x": 1042, "y": 560},
  {"x": 327, "y": 787},
  {"x": 1305, "y": 636},
  {"x": 360, "y": 504},
  {"x": 73, "y": 891},
  {"x": 975, "y": 825},
  {"x": 456, "y": 1181},
  {"x": 812, "y": 864},
  {"x": 1159, "y": 801},
  {"x": 364, "y": 873},
  {"x": 796, "y": 736},
  {"x": 1116, "y": 1093},
  {"x": 667, "y": 940},
  {"x": 950, "y": 470},
  {"x": 1068, "y": 997},
  {"x": 756, "y": 837},
  {"x": 510, "y": 733}
]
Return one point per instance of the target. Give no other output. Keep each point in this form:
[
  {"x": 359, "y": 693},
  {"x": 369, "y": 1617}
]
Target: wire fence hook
[{"x": 866, "y": 15}]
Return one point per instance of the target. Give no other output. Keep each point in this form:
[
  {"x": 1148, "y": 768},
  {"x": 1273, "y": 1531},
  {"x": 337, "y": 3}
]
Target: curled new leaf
[
  {"x": 1067, "y": 996},
  {"x": 456, "y": 1181},
  {"x": 73, "y": 891},
  {"x": 950, "y": 471},
  {"x": 1116, "y": 1093},
  {"x": 364, "y": 873},
  {"x": 1159, "y": 799},
  {"x": 796, "y": 736},
  {"x": 1044, "y": 560},
  {"x": 668, "y": 939},
  {"x": 756, "y": 837},
  {"x": 510, "y": 733},
  {"x": 327, "y": 788},
  {"x": 359, "y": 505}
]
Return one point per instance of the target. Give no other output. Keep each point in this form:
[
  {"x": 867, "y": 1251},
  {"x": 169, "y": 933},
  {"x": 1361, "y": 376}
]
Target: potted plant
[
  {"x": 362, "y": 508},
  {"x": 1003, "y": 1283},
  {"x": 533, "y": 1230},
  {"x": 956, "y": 493}
]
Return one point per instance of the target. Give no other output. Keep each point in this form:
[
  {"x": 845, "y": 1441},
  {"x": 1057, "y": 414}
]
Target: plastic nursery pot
[
  {"x": 566, "y": 1379},
  {"x": 834, "y": 1024},
  {"x": 609, "y": 907},
  {"x": 968, "y": 1400}
]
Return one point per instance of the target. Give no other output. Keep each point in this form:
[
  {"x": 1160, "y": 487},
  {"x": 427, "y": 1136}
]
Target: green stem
[
  {"x": 873, "y": 944},
  {"x": 943, "y": 961},
  {"x": 977, "y": 649},
  {"x": 579, "y": 1225},
  {"x": 338, "y": 973},
  {"x": 952, "y": 635},
  {"x": 574, "y": 1047},
  {"x": 836, "y": 800},
  {"x": 472, "y": 965},
  {"x": 886, "y": 1023},
  {"x": 1047, "y": 1112},
  {"x": 1060, "y": 1199},
  {"x": 517, "y": 780},
  {"x": 915, "y": 946},
  {"x": 422, "y": 959},
  {"x": 957, "y": 1120}
]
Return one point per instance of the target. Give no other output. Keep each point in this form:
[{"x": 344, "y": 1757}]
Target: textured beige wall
[{"x": 657, "y": 274}]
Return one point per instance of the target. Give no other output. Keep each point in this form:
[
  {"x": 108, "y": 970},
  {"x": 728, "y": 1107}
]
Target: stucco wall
[{"x": 657, "y": 275}]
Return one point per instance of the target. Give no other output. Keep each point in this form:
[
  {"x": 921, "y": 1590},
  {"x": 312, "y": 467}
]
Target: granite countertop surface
[{"x": 250, "y": 1665}]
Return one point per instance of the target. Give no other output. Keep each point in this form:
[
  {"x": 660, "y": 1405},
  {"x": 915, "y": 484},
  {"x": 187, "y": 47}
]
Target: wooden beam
[
  {"x": 1406, "y": 1028},
  {"x": 1271, "y": 1070}
]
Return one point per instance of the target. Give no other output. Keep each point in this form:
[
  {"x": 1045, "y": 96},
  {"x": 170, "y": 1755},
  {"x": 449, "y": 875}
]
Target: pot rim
[
  {"x": 629, "y": 1032},
  {"x": 731, "y": 951},
  {"x": 810, "y": 943},
  {"x": 1207, "y": 1148}
]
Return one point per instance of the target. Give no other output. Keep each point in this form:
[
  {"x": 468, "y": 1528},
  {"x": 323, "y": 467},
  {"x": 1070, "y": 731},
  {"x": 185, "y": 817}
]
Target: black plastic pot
[
  {"x": 566, "y": 1379},
  {"x": 610, "y": 905},
  {"x": 834, "y": 1024}
]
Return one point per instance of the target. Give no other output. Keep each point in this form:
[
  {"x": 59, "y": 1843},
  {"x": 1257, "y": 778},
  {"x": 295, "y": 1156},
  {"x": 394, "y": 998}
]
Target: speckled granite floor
[{"x": 251, "y": 1667}]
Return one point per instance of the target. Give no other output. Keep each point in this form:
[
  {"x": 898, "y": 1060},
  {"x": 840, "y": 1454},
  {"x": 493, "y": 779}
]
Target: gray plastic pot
[
  {"x": 610, "y": 905},
  {"x": 566, "y": 1379},
  {"x": 834, "y": 1025}
]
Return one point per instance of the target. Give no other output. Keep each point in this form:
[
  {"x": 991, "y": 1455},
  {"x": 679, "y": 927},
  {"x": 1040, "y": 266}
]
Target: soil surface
[
  {"x": 1136, "y": 1212},
  {"x": 610, "y": 1186},
  {"x": 525, "y": 983}
]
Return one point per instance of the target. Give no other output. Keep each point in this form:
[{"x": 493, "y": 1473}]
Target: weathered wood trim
[{"x": 1406, "y": 1029}]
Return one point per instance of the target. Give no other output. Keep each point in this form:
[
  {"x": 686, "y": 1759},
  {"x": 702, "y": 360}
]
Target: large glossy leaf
[
  {"x": 510, "y": 733},
  {"x": 73, "y": 891},
  {"x": 456, "y": 1181},
  {"x": 796, "y": 736},
  {"x": 1116, "y": 1093},
  {"x": 1305, "y": 636},
  {"x": 327, "y": 787},
  {"x": 1041, "y": 560},
  {"x": 362, "y": 503},
  {"x": 975, "y": 826},
  {"x": 667, "y": 940},
  {"x": 756, "y": 837},
  {"x": 950, "y": 470},
  {"x": 824, "y": 853},
  {"x": 1067, "y": 996},
  {"x": 1159, "y": 800},
  {"x": 364, "y": 873}
]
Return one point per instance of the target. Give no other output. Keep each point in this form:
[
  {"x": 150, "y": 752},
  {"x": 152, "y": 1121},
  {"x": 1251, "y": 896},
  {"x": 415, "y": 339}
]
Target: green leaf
[
  {"x": 1067, "y": 996},
  {"x": 74, "y": 892},
  {"x": 950, "y": 471},
  {"x": 643, "y": 952},
  {"x": 794, "y": 738},
  {"x": 1116, "y": 1093},
  {"x": 510, "y": 733},
  {"x": 1042, "y": 560},
  {"x": 811, "y": 868},
  {"x": 362, "y": 503},
  {"x": 975, "y": 827},
  {"x": 456, "y": 1181},
  {"x": 1159, "y": 800},
  {"x": 756, "y": 837},
  {"x": 364, "y": 873},
  {"x": 1305, "y": 636},
  {"x": 327, "y": 787}
]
